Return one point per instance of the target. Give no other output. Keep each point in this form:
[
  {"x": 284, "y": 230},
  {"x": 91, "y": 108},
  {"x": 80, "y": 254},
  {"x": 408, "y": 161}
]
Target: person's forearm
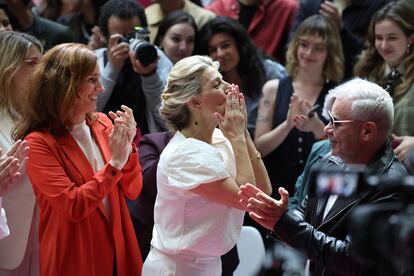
[
  {"x": 328, "y": 251},
  {"x": 244, "y": 170},
  {"x": 259, "y": 169},
  {"x": 268, "y": 142}
]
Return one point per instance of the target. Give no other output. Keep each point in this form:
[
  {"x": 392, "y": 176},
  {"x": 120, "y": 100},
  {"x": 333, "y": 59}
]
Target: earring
[
  {"x": 408, "y": 48},
  {"x": 198, "y": 118}
]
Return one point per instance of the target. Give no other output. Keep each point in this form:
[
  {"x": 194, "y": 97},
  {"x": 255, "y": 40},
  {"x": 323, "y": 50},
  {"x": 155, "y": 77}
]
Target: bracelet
[{"x": 257, "y": 157}]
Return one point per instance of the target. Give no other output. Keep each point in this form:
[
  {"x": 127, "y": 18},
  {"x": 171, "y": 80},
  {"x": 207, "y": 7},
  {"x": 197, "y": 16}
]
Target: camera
[
  {"x": 382, "y": 234},
  {"x": 145, "y": 52},
  {"x": 336, "y": 182}
]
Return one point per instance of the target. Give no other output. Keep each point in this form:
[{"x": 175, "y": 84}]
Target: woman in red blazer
[{"x": 81, "y": 168}]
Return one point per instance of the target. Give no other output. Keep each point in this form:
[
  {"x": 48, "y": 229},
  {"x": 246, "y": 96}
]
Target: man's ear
[{"x": 369, "y": 131}]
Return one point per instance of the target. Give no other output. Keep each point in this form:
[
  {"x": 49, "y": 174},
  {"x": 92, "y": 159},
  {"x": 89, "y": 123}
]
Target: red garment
[
  {"x": 76, "y": 237},
  {"x": 270, "y": 25}
]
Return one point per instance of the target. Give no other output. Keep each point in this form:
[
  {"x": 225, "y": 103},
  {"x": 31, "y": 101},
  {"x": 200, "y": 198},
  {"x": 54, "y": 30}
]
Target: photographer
[
  {"x": 125, "y": 79},
  {"x": 361, "y": 116}
]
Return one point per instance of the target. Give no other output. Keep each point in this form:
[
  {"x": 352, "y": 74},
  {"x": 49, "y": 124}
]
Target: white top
[
  {"x": 4, "y": 229},
  {"x": 187, "y": 223},
  {"x": 82, "y": 134}
]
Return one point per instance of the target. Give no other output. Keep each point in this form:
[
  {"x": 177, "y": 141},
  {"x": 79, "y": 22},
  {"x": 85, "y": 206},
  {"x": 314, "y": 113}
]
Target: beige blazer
[{"x": 19, "y": 204}]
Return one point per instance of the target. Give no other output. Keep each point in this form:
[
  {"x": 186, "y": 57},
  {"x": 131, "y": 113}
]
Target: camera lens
[{"x": 146, "y": 53}]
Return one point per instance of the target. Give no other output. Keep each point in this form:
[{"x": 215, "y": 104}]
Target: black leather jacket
[{"x": 326, "y": 242}]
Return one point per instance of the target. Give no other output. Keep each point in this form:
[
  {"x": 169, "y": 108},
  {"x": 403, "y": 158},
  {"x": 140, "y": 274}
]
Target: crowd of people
[{"x": 138, "y": 137}]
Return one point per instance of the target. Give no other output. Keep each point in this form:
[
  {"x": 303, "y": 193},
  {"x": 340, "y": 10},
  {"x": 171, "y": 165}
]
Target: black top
[{"x": 287, "y": 161}]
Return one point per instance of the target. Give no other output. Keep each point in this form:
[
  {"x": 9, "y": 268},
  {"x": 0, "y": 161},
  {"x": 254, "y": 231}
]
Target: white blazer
[{"x": 19, "y": 204}]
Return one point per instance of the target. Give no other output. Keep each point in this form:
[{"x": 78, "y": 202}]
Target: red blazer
[{"x": 76, "y": 236}]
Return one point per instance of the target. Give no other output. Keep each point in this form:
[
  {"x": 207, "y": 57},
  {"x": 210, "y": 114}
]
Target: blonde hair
[
  {"x": 184, "y": 82},
  {"x": 54, "y": 85},
  {"x": 14, "y": 47},
  {"x": 323, "y": 27}
]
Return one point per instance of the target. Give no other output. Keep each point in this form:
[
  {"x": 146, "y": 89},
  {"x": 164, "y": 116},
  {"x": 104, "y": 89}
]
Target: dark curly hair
[{"x": 250, "y": 66}]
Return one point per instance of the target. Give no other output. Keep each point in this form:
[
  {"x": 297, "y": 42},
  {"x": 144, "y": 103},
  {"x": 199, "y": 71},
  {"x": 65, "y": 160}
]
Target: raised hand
[
  {"x": 294, "y": 109},
  {"x": 120, "y": 140},
  {"x": 330, "y": 10},
  {"x": 12, "y": 164},
  {"x": 262, "y": 208},
  {"x": 117, "y": 52},
  {"x": 233, "y": 124}
]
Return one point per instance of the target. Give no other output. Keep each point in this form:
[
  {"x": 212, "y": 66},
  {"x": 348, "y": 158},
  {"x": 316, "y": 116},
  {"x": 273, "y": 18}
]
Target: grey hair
[
  {"x": 184, "y": 82},
  {"x": 370, "y": 102}
]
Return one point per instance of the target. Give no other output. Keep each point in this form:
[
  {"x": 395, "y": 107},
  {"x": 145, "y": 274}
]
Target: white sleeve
[
  {"x": 4, "y": 229},
  {"x": 195, "y": 163}
]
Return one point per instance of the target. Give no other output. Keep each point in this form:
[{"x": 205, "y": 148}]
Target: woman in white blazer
[{"x": 18, "y": 251}]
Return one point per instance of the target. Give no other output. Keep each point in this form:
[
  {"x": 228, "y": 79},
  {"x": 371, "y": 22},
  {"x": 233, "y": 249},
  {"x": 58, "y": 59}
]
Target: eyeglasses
[{"x": 335, "y": 123}]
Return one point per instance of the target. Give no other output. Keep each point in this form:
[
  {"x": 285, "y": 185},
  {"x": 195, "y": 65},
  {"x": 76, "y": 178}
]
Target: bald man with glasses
[{"x": 360, "y": 118}]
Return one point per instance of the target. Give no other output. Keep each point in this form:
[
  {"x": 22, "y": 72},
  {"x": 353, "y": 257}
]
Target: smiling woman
[
  {"x": 81, "y": 167},
  {"x": 177, "y": 35},
  {"x": 389, "y": 60}
]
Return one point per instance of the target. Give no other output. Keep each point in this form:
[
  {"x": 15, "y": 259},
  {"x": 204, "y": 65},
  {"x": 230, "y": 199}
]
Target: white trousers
[{"x": 160, "y": 264}]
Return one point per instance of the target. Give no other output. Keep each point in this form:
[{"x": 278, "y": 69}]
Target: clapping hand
[
  {"x": 121, "y": 137},
  {"x": 303, "y": 121},
  {"x": 12, "y": 164}
]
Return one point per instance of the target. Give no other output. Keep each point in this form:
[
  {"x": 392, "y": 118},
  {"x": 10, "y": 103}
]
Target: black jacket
[{"x": 326, "y": 241}]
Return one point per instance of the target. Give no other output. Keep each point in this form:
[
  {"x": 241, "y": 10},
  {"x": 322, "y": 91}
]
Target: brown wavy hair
[
  {"x": 371, "y": 65},
  {"x": 53, "y": 90}
]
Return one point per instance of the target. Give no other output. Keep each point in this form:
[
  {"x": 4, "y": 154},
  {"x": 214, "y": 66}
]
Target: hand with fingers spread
[
  {"x": 12, "y": 165},
  {"x": 120, "y": 140},
  {"x": 233, "y": 123},
  {"x": 262, "y": 208},
  {"x": 117, "y": 52}
]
